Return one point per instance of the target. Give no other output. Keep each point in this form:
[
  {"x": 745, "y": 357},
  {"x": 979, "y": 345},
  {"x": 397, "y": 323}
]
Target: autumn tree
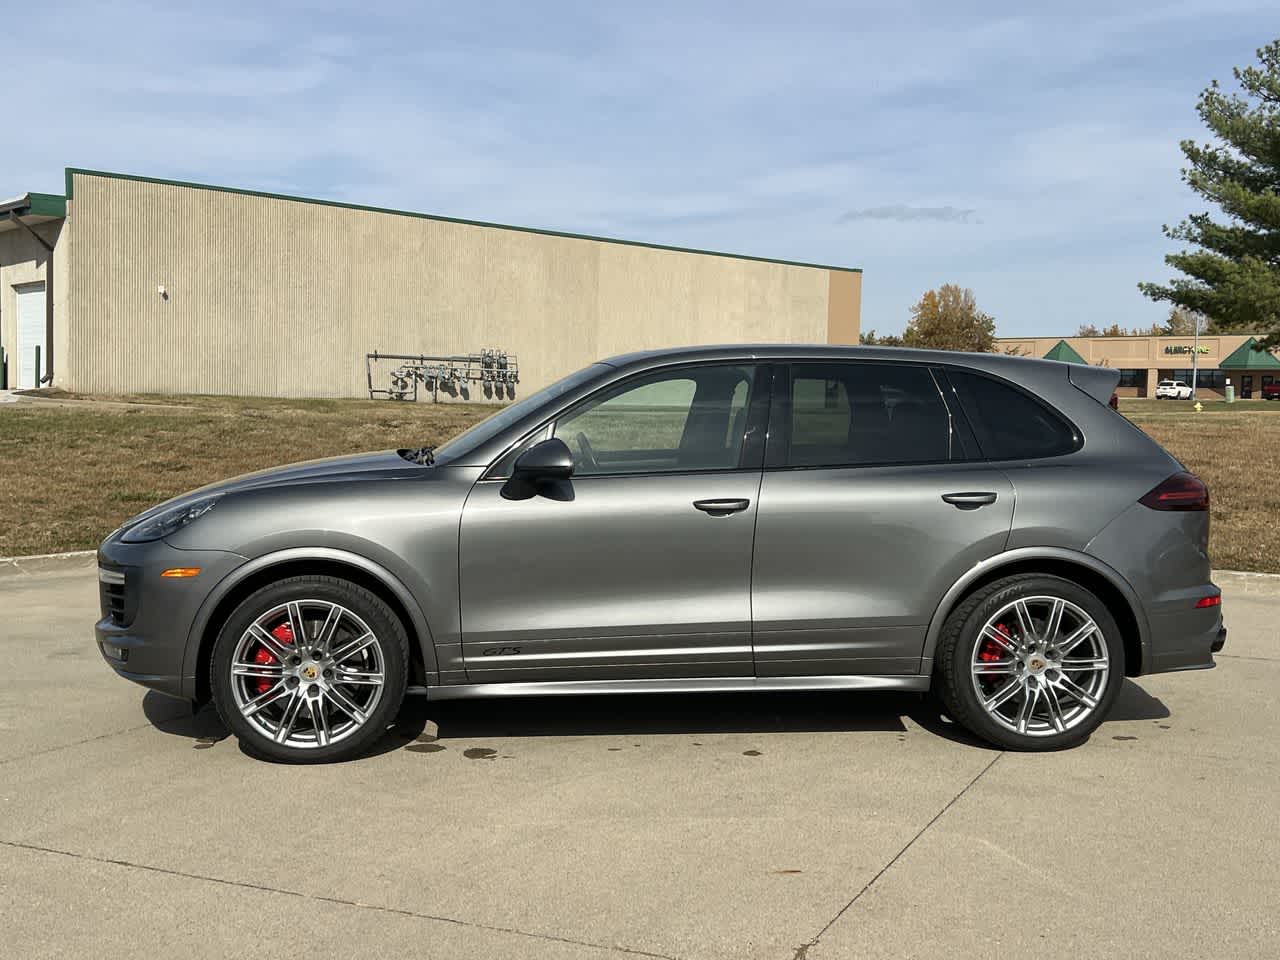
[
  {"x": 949, "y": 319},
  {"x": 1184, "y": 323},
  {"x": 868, "y": 338},
  {"x": 1231, "y": 270}
]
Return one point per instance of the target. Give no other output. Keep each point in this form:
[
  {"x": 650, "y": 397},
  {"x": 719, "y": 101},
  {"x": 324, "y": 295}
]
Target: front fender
[
  {"x": 1019, "y": 557},
  {"x": 277, "y": 558}
]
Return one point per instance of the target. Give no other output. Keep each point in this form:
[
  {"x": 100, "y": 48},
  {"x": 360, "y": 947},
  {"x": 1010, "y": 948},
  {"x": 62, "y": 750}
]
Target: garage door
[{"x": 31, "y": 334}]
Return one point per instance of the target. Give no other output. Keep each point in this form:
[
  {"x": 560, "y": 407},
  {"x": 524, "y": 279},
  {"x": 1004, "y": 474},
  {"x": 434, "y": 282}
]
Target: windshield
[{"x": 486, "y": 430}]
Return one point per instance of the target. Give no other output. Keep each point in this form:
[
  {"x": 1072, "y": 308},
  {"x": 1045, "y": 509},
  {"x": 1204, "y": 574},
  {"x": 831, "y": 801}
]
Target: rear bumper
[
  {"x": 1186, "y": 640},
  {"x": 1220, "y": 642}
]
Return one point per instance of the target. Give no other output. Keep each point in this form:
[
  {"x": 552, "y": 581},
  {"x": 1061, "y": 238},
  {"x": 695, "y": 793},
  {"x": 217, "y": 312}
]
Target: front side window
[
  {"x": 691, "y": 418},
  {"x": 1011, "y": 424},
  {"x": 486, "y": 430},
  {"x": 861, "y": 414}
]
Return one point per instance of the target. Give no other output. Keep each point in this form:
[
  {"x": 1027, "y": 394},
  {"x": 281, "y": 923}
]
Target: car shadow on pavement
[
  {"x": 176, "y": 717},
  {"x": 1133, "y": 703},
  {"x": 652, "y": 714},
  {"x": 586, "y": 716}
]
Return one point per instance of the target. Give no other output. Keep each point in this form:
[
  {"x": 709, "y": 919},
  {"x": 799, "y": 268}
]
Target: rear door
[
  {"x": 870, "y": 509},
  {"x": 639, "y": 566}
]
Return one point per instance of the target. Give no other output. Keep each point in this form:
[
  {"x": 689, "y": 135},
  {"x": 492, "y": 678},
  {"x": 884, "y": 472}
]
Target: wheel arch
[
  {"x": 1102, "y": 580},
  {"x": 257, "y": 573}
]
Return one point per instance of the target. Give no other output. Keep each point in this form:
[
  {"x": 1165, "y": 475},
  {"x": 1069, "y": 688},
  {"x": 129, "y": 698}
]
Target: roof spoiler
[{"x": 1097, "y": 382}]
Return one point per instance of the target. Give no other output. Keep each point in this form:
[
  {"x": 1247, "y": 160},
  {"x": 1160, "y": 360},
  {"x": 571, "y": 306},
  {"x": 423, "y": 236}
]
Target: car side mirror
[{"x": 547, "y": 460}]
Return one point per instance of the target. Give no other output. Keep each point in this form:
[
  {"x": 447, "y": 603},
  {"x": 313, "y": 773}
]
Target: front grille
[{"x": 111, "y": 586}]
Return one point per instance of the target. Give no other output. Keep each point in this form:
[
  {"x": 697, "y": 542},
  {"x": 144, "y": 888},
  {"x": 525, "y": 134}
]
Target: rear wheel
[
  {"x": 1031, "y": 662},
  {"x": 310, "y": 670}
]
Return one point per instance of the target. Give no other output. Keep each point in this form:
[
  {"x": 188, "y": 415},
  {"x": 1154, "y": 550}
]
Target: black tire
[
  {"x": 954, "y": 682},
  {"x": 392, "y": 641}
]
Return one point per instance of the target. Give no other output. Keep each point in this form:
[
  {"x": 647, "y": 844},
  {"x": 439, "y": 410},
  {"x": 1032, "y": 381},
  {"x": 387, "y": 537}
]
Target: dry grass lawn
[
  {"x": 1235, "y": 449},
  {"x": 70, "y": 471}
]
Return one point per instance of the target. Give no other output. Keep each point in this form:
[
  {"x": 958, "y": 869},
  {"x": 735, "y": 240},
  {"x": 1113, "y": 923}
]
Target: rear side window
[
  {"x": 861, "y": 414},
  {"x": 1011, "y": 424}
]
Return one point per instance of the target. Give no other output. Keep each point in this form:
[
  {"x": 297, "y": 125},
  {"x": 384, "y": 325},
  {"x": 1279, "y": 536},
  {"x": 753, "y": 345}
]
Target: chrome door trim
[{"x": 550, "y": 688}]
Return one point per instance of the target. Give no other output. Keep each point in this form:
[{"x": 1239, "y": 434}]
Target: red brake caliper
[
  {"x": 283, "y": 633},
  {"x": 991, "y": 652}
]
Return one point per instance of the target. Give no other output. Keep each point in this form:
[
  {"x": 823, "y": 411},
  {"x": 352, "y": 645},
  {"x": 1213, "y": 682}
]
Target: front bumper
[{"x": 146, "y": 619}]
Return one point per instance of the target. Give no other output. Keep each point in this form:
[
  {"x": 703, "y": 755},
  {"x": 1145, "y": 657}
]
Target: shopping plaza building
[{"x": 1144, "y": 361}]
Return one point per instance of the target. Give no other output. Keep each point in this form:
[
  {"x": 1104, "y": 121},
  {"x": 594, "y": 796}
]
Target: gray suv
[{"x": 703, "y": 519}]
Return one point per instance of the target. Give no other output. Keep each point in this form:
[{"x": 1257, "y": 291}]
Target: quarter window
[
  {"x": 1010, "y": 424},
  {"x": 862, "y": 414},
  {"x": 693, "y": 418}
]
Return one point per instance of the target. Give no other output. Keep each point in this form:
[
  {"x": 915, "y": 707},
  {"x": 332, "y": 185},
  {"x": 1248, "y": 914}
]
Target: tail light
[
  {"x": 1182, "y": 491},
  {"x": 1206, "y": 602}
]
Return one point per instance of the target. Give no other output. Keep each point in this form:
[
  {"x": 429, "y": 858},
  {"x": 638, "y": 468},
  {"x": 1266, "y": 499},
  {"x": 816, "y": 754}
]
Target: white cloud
[{"x": 807, "y": 131}]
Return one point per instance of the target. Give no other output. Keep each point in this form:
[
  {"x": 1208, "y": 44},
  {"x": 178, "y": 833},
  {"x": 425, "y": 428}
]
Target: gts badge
[{"x": 500, "y": 651}]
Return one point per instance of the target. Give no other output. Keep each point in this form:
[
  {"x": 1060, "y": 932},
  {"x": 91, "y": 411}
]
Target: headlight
[{"x": 168, "y": 521}]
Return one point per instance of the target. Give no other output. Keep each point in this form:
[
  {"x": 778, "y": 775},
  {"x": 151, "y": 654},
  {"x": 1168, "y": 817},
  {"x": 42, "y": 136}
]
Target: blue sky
[{"x": 1026, "y": 150}]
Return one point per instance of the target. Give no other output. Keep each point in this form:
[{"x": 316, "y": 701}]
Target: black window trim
[
  {"x": 779, "y": 416},
  {"x": 1077, "y": 436},
  {"x": 754, "y": 430}
]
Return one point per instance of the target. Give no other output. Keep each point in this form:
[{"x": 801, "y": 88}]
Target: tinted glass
[
  {"x": 861, "y": 414},
  {"x": 693, "y": 418},
  {"x": 1010, "y": 424},
  {"x": 486, "y": 430}
]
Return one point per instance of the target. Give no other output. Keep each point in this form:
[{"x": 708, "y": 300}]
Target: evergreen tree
[{"x": 1232, "y": 274}]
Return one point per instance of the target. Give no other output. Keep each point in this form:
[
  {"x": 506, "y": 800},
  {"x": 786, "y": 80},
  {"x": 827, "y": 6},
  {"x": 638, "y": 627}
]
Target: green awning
[
  {"x": 1064, "y": 352},
  {"x": 1244, "y": 357}
]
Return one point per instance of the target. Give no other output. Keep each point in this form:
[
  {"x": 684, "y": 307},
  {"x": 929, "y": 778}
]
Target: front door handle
[
  {"x": 721, "y": 508},
  {"x": 970, "y": 501}
]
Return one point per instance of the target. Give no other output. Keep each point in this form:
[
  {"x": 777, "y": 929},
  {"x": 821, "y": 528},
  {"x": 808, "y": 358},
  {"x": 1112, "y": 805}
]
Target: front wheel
[
  {"x": 1030, "y": 662},
  {"x": 310, "y": 670}
]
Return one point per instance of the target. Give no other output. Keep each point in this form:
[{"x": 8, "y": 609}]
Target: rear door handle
[
  {"x": 971, "y": 500},
  {"x": 721, "y": 508}
]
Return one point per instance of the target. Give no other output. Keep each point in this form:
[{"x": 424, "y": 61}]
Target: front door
[
  {"x": 868, "y": 514},
  {"x": 1246, "y": 387},
  {"x": 32, "y": 343},
  {"x": 639, "y": 566}
]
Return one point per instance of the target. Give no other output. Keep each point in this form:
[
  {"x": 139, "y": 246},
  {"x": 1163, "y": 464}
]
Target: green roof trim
[
  {"x": 1063, "y": 351},
  {"x": 1245, "y": 357},
  {"x": 46, "y": 205},
  {"x": 41, "y": 205},
  {"x": 77, "y": 171}
]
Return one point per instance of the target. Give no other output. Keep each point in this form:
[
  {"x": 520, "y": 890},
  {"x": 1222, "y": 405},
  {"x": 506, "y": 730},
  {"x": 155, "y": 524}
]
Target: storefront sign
[{"x": 1183, "y": 348}]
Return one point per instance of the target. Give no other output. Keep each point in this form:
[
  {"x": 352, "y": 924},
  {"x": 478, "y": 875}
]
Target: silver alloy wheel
[
  {"x": 307, "y": 673},
  {"x": 1040, "y": 666}
]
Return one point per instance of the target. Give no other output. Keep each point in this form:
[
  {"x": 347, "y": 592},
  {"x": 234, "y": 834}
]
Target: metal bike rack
[{"x": 496, "y": 371}]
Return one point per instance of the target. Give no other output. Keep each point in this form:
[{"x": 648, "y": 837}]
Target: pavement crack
[
  {"x": 77, "y": 743},
  {"x": 1237, "y": 656},
  {"x": 338, "y": 901},
  {"x": 802, "y": 951}
]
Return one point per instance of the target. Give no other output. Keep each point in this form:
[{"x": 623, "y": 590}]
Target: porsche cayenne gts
[{"x": 700, "y": 519}]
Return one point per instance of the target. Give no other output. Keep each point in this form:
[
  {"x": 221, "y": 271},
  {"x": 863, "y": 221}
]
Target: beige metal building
[
  {"x": 1144, "y": 361},
  {"x": 130, "y": 284}
]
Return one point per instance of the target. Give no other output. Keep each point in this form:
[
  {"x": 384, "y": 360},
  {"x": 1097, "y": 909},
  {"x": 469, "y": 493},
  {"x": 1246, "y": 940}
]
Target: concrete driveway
[{"x": 817, "y": 826}]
